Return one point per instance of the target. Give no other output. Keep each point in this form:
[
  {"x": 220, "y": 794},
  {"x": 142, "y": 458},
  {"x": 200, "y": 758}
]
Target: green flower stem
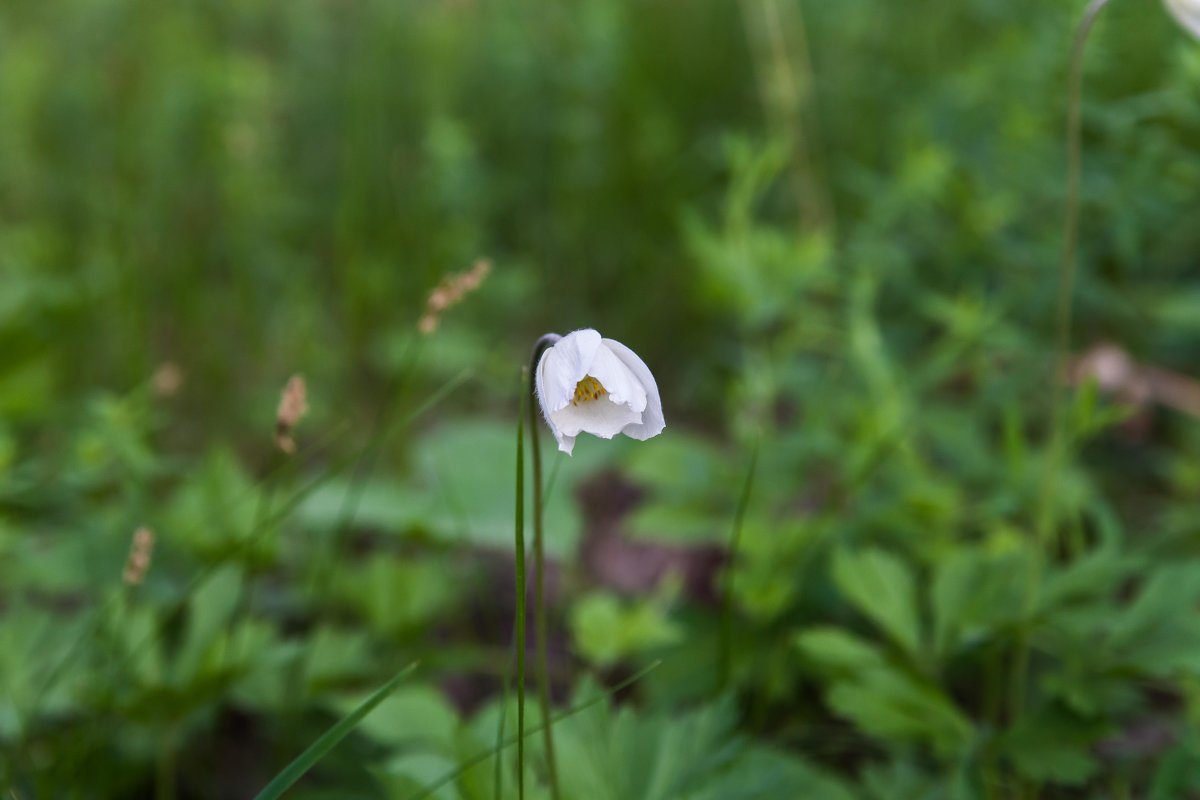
[
  {"x": 539, "y": 568},
  {"x": 519, "y": 620},
  {"x": 1066, "y": 290},
  {"x": 1066, "y": 267}
]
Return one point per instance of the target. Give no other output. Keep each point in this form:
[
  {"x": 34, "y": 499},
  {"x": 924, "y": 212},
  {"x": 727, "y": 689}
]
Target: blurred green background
[{"x": 831, "y": 229}]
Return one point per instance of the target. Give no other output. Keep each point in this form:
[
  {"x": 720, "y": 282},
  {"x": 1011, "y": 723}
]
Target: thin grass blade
[{"x": 328, "y": 740}]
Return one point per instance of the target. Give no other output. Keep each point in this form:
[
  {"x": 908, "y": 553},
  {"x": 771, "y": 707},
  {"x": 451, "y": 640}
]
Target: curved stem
[
  {"x": 1066, "y": 289},
  {"x": 539, "y": 567},
  {"x": 1066, "y": 265}
]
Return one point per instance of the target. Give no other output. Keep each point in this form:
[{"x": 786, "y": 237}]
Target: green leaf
[
  {"x": 335, "y": 655},
  {"x": 208, "y": 615},
  {"x": 1178, "y": 772},
  {"x": 1095, "y": 575},
  {"x": 838, "y": 652},
  {"x": 606, "y": 630},
  {"x": 974, "y": 594},
  {"x": 466, "y": 468},
  {"x": 767, "y": 774},
  {"x": 1158, "y": 633},
  {"x": 1053, "y": 746},
  {"x": 895, "y": 707},
  {"x": 397, "y": 594},
  {"x": 414, "y": 715},
  {"x": 881, "y": 586},
  {"x": 328, "y": 740}
]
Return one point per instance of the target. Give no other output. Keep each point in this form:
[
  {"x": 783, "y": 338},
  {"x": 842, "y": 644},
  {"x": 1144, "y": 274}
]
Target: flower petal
[
  {"x": 603, "y": 418},
  {"x": 540, "y": 385},
  {"x": 652, "y": 421},
  {"x": 564, "y": 365},
  {"x": 1187, "y": 14},
  {"x": 618, "y": 380},
  {"x": 565, "y": 443}
]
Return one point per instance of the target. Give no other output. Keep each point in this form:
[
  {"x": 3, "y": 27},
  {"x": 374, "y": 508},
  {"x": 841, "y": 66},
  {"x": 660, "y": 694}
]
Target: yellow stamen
[{"x": 588, "y": 389}]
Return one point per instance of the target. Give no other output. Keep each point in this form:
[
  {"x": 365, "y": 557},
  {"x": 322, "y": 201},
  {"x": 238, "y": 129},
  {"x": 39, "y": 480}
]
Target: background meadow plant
[{"x": 830, "y": 230}]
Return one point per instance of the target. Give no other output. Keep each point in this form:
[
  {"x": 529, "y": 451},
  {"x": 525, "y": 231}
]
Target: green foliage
[
  {"x": 607, "y": 631},
  {"x": 830, "y": 229},
  {"x": 882, "y": 588},
  {"x": 330, "y": 739}
]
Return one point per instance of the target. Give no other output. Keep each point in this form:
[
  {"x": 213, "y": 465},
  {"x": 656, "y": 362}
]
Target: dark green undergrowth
[{"x": 831, "y": 229}]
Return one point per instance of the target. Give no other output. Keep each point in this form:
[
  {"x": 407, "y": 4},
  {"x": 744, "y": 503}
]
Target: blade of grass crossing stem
[
  {"x": 502, "y": 720},
  {"x": 479, "y": 758},
  {"x": 725, "y": 656},
  {"x": 328, "y": 740},
  {"x": 519, "y": 617}
]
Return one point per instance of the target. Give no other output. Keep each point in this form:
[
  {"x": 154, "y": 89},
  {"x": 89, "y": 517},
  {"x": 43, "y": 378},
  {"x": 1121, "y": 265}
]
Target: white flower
[
  {"x": 599, "y": 386},
  {"x": 1187, "y": 13}
]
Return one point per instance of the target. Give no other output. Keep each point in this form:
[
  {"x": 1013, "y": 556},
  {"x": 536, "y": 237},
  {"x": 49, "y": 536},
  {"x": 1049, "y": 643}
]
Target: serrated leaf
[
  {"x": 606, "y": 630},
  {"x": 1052, "y": 746},
  {"x": 975, "y": 593},
  {"x": 838, "y": 652},
  {"x": 881, "y": 586},
  {"x": 1160, "y": 632},
  {"x": 894, "y": 707}
]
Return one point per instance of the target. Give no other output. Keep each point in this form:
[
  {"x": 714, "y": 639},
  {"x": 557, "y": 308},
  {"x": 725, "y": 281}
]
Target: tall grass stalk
[
  {"x": 502, "y": 720},
  {"x": 539, "y": 567},
  {"x": 785, "y": 91},
  {"x": 725, "y": 640}
]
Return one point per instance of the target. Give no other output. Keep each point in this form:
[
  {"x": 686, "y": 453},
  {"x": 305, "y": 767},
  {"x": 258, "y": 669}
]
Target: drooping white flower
[
  {"x": 1187, "y": 13},
  {"x": 587, "y": 384}
]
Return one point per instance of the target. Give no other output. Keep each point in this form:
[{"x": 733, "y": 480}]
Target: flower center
[{"x": 588, "y": 389}]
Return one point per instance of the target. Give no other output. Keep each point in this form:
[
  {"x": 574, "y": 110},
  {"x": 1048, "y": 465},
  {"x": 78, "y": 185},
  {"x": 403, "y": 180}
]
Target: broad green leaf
[
  {"x": 382, "y": 504},
  {"x": 215, "y": 509},
  {"x": 1160, "y": 632},
  {"x": 974, "y": 594},
  {"x": 1052, "y": 746},
  {"x": 334, "y": 655},
  {"x": 838, "y": 652},
  {"x": 1178, "y": 771},
  {"x": 208, "y": 615},
  {"x": 1097, "y": 574},
  {"x": 606, "y": 630},
  {"x": 397, "y": 594},
  {"x": 462, "y": 489},
  {"x": 416, "y": 716},
  {"x": 895, "y": 707},
  {"x": 881, "y": 586},
  {"x": 767, "y": 774}
]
